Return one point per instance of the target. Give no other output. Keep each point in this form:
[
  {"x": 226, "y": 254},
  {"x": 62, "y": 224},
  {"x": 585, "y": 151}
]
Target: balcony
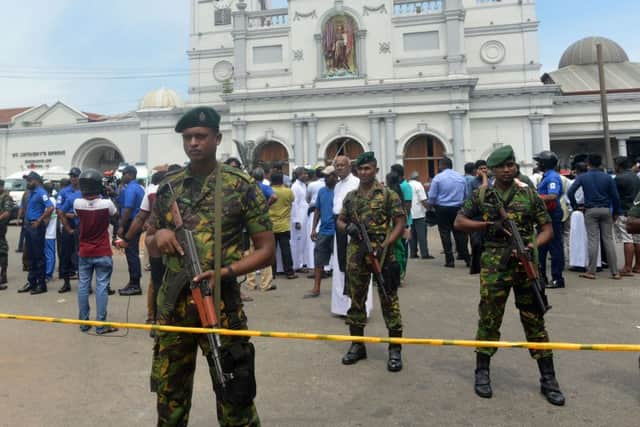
[
  {"x": 268, "y": 18},
  {"x": 412, "y": 7}
]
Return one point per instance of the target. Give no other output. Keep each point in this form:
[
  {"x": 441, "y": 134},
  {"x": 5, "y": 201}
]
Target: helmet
[
  {"x": 91, "y": 182},
  {"x": 546, "y": 159}
]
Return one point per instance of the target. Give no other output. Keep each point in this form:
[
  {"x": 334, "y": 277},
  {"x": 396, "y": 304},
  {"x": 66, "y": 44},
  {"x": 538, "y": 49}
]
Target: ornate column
[
  {"x": 622, "y": 146},
  {"x": 361, "y": 52},
  {"x": 390, "y": 140},
  {"x": 457, "y": 131},
  {"x": 239, "y": 35},
  {"x": 537, "y": 142},
  {"x": 454, "y": 15},
  {"x": 312, "y": 141},
  {"x": 298, "y": 143}
]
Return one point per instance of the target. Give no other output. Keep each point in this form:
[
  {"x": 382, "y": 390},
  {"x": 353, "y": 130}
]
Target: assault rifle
[
  {"x": 370, "y": 254},
  {"x": 202, "y": 296},
  {"x": 525, "y": 257}
]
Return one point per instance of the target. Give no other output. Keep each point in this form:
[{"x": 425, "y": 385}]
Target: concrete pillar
[
  {"x": 390, "y": 142},
  {"x": 312, "y": 141},
  {"x": 457, "y": 131},
  {"x": 239, "y": 35},
  {"x": 361, "y": 53},
  {"x": 537, "y": 141},
  {"x": 454, "y": 16},
  {"x": 319, "y": 57},
  {"x": 298, "y": 143},
  {"x": 622, "y": 147},
  {"x": 374, "y": 144}
]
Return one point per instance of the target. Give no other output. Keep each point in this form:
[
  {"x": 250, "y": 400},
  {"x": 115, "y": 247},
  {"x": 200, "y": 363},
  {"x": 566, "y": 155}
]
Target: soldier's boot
[
  {"x": 66, "y": 287},
  {"x": 357, "y": 351},
  {"x": 394, "y": 364},
  {"x": 483, "y": 380},
  {"x": 548, "y": 383}
]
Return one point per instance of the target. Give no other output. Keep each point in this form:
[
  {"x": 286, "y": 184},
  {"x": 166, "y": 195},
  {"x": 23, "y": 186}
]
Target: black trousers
[
  {"x": 419, "y": 238},
  {"x": 445, "y": 217},
  {"x": 67, "y": 249},
  {"x": 283, "y": 241},
  {"x": 341, "y": 244}
]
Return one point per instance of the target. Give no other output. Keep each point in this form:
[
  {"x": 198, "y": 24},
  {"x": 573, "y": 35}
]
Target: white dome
[
  {"x": 583, "y": 52},
  {"x": 161, "y": 98}
]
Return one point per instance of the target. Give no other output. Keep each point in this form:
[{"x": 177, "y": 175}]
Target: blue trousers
[
  {"x": 133, "y": 260},
  {"x": 34, "y": 241},
  {"x": 67, "y": 249},
  {"x": 555, "y": 248},
  {"x": 50, "y": 257}
]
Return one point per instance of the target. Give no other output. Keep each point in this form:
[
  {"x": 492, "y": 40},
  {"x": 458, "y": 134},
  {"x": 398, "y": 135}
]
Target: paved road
[{"x": 53, "y": 375}]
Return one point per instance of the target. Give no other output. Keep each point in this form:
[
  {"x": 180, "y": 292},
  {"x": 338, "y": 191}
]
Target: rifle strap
[
  {"x": 217, "y": 245},
  {"x": 386, "y": 205}
]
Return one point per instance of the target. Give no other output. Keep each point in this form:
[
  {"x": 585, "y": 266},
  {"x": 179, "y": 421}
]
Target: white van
[{"x": 16, "y": 185}]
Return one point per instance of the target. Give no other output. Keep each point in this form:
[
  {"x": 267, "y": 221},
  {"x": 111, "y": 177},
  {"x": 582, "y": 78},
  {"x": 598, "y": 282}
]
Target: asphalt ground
[{"x": 54, "y": 375}]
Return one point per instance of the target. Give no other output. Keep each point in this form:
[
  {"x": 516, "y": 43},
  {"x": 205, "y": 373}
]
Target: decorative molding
[
  {"x": 413, "y": 20},
  {"x": 299, "y": 15},
  {"x": 541, "y": 90},
  {"x": 297, "y": 55},
  {"x": 382, "y": 9},
  {"x": 385, "y": 47},
  {"x": 492, "y": 30},
  {"x": 412, "y": 62},
  {"x": 210, "y": 53},
  {"x": 267, "y": 32},
  {"x": 493, "y": 52},
  {"x": 503, "y": 68},
  {"x": 76, "y": 128},
  {"x": 633, "y": 97},
  {"x": 278, "y": 72}
]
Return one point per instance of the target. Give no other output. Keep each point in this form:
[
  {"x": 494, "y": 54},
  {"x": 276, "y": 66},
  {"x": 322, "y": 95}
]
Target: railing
[
  {"x": 487, "y": 1},
  {"x": 413, "y": 7},
  {"x": 268, "y": 18}
]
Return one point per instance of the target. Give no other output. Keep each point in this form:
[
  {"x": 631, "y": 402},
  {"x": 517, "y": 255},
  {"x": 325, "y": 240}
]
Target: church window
[{"x": 222, "y": 16}]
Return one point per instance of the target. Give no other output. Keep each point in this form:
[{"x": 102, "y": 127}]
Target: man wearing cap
[
  {"x": 376, "y": 207},
  {"x": 6, "y": 204},
  {"x": 501, "y": 270},
  {"x": 193, "y": 188},
  {"x": 69, "y": 235},
  {"x": 37, "y": 213},
  {"x": 129, "y": 201},
  {"x": 323, "y": 237}
]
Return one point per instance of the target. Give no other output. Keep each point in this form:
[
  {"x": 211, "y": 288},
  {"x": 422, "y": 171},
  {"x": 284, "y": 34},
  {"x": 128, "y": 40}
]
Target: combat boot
[
  {"x": 483, "y": 381},
  {"x": 66, "y": 287},
  {"x": 3, "y": 276},
  {"x": 394, "y": 364},
  {"x": 548, "y": 383},
  {"x": 357, "y": 351}
]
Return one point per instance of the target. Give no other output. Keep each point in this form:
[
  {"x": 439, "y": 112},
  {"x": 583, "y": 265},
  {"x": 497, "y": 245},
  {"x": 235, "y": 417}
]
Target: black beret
[
  {"x": 366, "y": 157},
  {"x": 199, "y": 117},
  {"x": 500, "y": 155}
]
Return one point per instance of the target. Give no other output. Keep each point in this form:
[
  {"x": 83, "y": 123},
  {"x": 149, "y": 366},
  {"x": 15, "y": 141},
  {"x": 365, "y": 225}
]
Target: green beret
[
  {"x": 366, "y": 157},
  {"x": 500, "y": 156},
  {"x": 199, "y": 117}
]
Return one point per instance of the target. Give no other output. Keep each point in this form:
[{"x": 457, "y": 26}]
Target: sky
[{"x": 104, "y": 56}]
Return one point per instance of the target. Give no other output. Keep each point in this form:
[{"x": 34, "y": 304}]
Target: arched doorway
[
  {"x": 270, "y": 152},
  {"x": 100, "y": 154},
  {"x": 343, "y": 147},
  {"x": 421, "y": 154}
]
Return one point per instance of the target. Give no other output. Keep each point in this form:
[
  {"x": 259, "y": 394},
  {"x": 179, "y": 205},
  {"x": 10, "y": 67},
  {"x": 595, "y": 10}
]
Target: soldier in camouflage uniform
[
  {"x": 381, "y": 211},
  {"x": 6, "y": 204},
  {"x": 501, "y": 271},
  {"x": 244, "y": 207}
]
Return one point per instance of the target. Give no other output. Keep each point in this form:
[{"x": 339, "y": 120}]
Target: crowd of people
[{"x": 334, "y": 221}]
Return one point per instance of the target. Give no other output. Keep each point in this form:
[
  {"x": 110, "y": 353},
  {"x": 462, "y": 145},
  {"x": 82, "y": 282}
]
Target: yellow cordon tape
[{"x": 341, "y": 338}]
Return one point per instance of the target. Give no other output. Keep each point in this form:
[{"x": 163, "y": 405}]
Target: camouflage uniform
[
  {"x": 496, "y": 280},
  {"x": 6, "y": 204},
  {"x": 376, "y": 211},
  {"x": 174, "y": 353}
]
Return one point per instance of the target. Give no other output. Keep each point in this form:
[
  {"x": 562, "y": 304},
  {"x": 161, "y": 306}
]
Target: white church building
[{"x": 412, "y": 81}]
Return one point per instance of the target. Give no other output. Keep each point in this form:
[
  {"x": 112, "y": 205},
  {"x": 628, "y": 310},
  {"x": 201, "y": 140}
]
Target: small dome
[
  {"x": 583, "y": 52},
  {"x": 161, "y": 98}
]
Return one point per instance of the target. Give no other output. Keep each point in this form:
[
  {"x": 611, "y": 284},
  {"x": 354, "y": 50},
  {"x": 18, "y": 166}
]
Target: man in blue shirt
[
  {"x": 600, "y": 198},
  {"x": 37, "y": 212},
  {"x": 324, "y": 236},
  {"x": 69, "y": 243},
  {"x": 550, "y": 190},
  {"x": 447, "y": 193},
  {"x": 129, "y": 201}
]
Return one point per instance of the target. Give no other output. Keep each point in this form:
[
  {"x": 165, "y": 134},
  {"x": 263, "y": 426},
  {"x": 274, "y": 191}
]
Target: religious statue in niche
[{"x": 338, "y": 45}]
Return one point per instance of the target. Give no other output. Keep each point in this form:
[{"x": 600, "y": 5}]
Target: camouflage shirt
[
  {"x": 6, "y": 204},
  {"x": 635, "y": 208},
  {"x": 525, "y": 208},
  {"x": 375, "y": 209},
  {"x": 244, "y": 208}
]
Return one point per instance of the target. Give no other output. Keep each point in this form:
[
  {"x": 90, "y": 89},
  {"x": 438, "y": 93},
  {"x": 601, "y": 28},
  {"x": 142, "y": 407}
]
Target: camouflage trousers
[
  {"x": 496, "y": 282},
  {"x": 359, "y": 276},
  {"x": 4, "y": 247},
  {"x": 174, "y": 363}
]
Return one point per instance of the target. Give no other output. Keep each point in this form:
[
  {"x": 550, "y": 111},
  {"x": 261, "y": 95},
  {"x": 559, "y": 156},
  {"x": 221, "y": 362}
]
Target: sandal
[
  {"x": 106, "y": 330},
  {"x": 616, "y": 277},
  {"x": 589, "y": 276},
  {"x": 311, "y": 295},
  {"x": 626, "y": 274}
]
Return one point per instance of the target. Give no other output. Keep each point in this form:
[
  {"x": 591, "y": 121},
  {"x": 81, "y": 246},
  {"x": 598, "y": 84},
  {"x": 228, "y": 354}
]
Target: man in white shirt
[
  {"x": 299, "y": 215},
  {"x": 313, "y": 187},
  {"x": 418, "y": 212}
]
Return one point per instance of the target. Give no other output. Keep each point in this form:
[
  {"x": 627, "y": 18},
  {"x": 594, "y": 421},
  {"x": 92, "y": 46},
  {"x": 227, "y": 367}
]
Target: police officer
[
  {"x": 38, "y": 211},
  {"x": 550, "y": 190},
  {"x": 6, "y": 204},
  {"x": 522, "y": 205},
  {"x": 69, "y": 242},
  {"x": 194, "y": 190},
  {"x": 377, "y": 208}
]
